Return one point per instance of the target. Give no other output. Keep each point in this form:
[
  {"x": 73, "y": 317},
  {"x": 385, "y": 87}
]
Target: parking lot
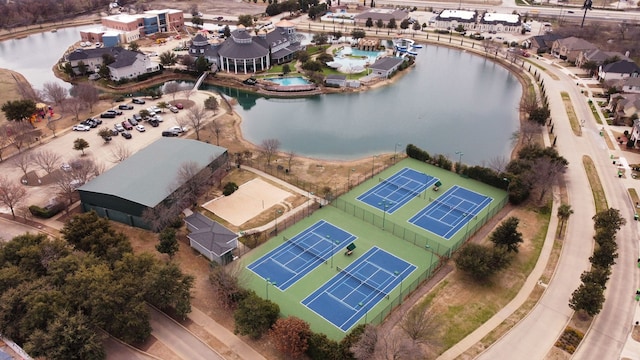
[{"x": 105, "y": 154}]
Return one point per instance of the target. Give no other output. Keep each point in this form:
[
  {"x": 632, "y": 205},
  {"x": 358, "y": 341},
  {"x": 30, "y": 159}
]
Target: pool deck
[{"x": 290, "y": 88}]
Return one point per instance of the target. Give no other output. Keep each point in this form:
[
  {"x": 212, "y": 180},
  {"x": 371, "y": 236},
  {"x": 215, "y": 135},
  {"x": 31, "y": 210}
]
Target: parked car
[
  {"x": 137, "y": 101},
  {"x": 179, "y": 106},
  {"x": 115, "y": 132},
  {"x": 137, "y": 117},
  {"x": 117, "y": 112},
  {"x": 127, "y": 125},
  {"x": 119, "y": 128},
  {"x": 173, "y": 109},
  {"x": 157, "y": 118},
  {"x": 154, "y": 109},
  {"x": 170, "y": 133},
  {"x": 108, "y": 115},
  {"x": 127, "y": 135},
  {"x": 154, "y": 123},
  {"x": 81, "y": 128},
  {"x": 140, "y": 128},
  {"x": 178, "y": 129},
  {"x": 65, "y": 167},
  {"x": 125, "y": 107},
  {"x": 90, "y": 123},
  {"x": 133, "y": 122}
]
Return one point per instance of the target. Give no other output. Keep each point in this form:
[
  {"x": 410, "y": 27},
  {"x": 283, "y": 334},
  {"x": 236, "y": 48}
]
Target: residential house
[
  {"x": 629, "y": 85},
  {"x": 570, "y": 48},
  {"x": 541, "y": 44},
  {"x": 635, "y": 133},
  {"x": 209, "y": 238},
  {"x": 384, "y": 67},
  {"x": 625, "y": 107},
  {"x": 127, "y": 65},
  {"x": 621, "y": 69},
  {"x": 597, "y": 56}
]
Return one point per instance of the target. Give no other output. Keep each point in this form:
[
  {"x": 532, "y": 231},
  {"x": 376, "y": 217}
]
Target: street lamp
[
  {"x": 397, "y": 273},
  {"x": 459, "y": 153},
  {"x": 384, "y": 205},
  {"x": 373, "y": 166},
  {"x": 395, "y": 151},
  {"x": 309, "y": 199},
  {"x": 269, "y": 282},
  {"x": 278, "y": 212},
  {"x": 349, "y": 178}
]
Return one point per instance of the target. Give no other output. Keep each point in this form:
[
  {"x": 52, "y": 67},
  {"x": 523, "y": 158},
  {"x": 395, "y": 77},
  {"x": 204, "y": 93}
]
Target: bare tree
[
  {"x": 290, "y": 155},
  {"x": 188, "y": 92},
  {"x": 53, "y": 126},
  {"x": 545, "y": 171},
  {"x": 5, "y": 139},
  {"x": 498, "y": 163},
  {"x": 87, "y": 93},
  {"x": 226, "y": 282},
  {"x": 192, "y": 182},
  {"x": 83, "y": 170},
  {"x": 22, "y": 162},
  {"x": 47, "y": 160},
  {"x": 529, "y": 103},
  {"x": 74, "y": 105},
  {"x": 160, "y": 216},
  {"x": 270, "y": 147},
  {"x": 365, "y": 347},
  {"x": 55, "y": 92},
  {"x": 216, "y": 128},
  {"x": 171, "y": 88},
  {"x": 419, "y": 323},
  {"x": 195, "y": 116},
  {"x": 19, "y": 134},
  {"x": 393, "y": 346},
  {"x": 11, "y": 194},
  {"x": 66, "y": 186},
  {"x": 529, "y": 131},
  {"x": 119, "y": 153}
]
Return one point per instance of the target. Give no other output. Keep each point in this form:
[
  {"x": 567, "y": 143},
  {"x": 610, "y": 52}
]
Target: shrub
[
  {"x": 229, "y": 188},
  {"x": 46, "y": 212}
]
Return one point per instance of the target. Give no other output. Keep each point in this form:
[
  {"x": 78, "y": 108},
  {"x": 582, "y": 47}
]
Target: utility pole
[{"x": 587, "y": 6}]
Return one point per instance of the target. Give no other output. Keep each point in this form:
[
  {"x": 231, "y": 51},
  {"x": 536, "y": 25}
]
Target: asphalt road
[
  {"x": 180, "y": 340},
  {"x": 536, "y": 334}
]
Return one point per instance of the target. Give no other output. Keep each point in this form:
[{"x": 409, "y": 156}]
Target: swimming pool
[
  {"x": 349, "y": 59},
  {"x": 289, "y": 81}
]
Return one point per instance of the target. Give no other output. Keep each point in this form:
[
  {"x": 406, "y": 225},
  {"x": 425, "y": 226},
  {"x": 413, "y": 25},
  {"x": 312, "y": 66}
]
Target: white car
[
  {"x": 140, "y": 128},
  {"x": 179, "y": 129},
  {"x": 157, "y": 118},
  {"x": 81, "y": 128}
]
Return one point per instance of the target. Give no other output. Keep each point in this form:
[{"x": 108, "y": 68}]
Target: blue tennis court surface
[
  {"x": 296, "y": 257},
  {"x": 348, "y": 296},
  {"x": 392, "y": 193},
  {"x": 450, "y": 211}
]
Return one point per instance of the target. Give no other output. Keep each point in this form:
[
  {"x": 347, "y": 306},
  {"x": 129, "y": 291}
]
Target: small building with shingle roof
[
  {"x": 618, "y": 70},
  {"x": 148, "y": 178},
  {"x": 386, "y": 66},
  {"x": 385, "y": 15},
  {"x": 211, "y": 239},
  {"x": 570, "y": 48},
  {"x": 127, "y": 65}
]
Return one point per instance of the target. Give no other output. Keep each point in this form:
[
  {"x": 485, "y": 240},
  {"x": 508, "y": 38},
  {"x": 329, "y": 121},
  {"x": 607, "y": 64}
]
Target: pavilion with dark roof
[{"x": 147, "y": 178}]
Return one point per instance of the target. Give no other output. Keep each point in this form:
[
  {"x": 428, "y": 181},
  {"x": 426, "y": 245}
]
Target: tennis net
[
  {"x": 363, "y": 282},
  {"x": 464, "y": 212},
  {"x": 401, "y": 187},
  {"x": 306, "y": 250}
]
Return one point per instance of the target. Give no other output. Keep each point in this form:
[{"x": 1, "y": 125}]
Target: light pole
[
  {"x": 349, "y": 178},
  {"x": 587, "y": 6},
  {"x": 309, "y": 199},
  {"x": 278, "y": 212},
  {"x": 395, "y": 151},
  {"x": 373, "y": 166},
  {"x": 383, "y": 205},
  {"x": 398, "y": 274},
  {"x": 269, "y": 282},
  {"x": 459, "y": 153}
]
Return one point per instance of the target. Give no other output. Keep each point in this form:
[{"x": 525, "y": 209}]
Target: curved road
[{"x": 547, "y": 320}]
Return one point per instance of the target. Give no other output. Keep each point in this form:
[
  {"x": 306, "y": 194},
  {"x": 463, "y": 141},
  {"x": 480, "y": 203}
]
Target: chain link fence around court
[{"x": 413, "y": 237}]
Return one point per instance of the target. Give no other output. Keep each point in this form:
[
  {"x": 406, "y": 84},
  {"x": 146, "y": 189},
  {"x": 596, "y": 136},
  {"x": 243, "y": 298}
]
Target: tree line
[{"x": 58, "y": 294}]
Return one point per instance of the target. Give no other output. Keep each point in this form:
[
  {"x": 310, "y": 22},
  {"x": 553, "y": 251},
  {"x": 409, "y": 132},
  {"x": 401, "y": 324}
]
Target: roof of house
[
  {"x": 500, "y": 18},
  {"x": 382, "y": 14},
  {"x": 210, "y": 234},
  {"x": 123, "y": 57},
  {"x": 599, "y": 56},
  {"x": 458, "y": 15},
  {"x": 621, "y": 67},
  {"x": 574, "y": 43},
  {"x": 630, "y": 81},
  {"x": 544, "y": 41},
  {"x": 386, "y": 63},
  {"x": 336, "y": 77},
  {"x": 150, "y": 175}
]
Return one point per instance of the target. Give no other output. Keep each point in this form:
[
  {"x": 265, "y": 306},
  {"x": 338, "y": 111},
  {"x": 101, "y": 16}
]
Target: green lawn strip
[
  {"x": 571, "y": 114},
  {"x": 599, "y": 196},
  {"x": 595, "y": 112},
  {"x": 463, "y": 319},
  {"x": 539, "y": 66},
  {"x": 634, "y": 196}
]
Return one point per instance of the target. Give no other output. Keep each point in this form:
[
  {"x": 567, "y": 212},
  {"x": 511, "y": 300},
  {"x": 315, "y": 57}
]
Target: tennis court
[
  {"x": 296, "y": 257},
  {"x": 451, "y": 211},
  {"x": 349, "y": 295},
  {"x": 392, "y": 193}
]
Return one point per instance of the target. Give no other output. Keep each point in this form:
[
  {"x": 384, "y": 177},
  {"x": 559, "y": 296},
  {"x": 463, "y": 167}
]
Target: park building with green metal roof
[{"x": 150, "y": 178}]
